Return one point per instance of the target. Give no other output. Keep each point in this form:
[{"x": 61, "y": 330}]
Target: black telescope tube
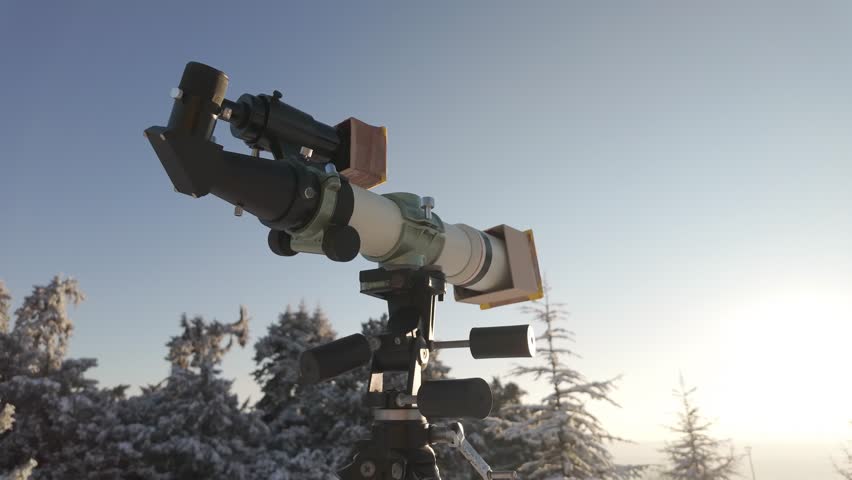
[{"x": 332, "y": 359}]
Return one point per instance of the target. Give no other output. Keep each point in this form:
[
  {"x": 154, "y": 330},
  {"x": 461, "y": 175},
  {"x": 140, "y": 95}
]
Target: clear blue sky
[{"x": 686, "y": 169}]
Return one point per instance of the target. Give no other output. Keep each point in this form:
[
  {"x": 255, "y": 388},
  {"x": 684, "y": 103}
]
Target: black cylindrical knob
[
  {"x": 279, "y": 243},
  {"x": 469, "y": 397},
  {"x": 502, "y": 342},
  {"x": 341, "y": 243},
  {"x": 197, "y": 100},
  {"x": 332, "y": 359}
]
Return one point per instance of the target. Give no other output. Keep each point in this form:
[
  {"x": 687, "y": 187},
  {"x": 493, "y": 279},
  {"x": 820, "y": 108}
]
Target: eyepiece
[{"x": 197, "y": 100}]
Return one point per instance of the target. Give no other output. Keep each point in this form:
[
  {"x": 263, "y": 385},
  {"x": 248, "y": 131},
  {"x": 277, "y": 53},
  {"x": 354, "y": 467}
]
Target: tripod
[{"x": 400, "y": 446}]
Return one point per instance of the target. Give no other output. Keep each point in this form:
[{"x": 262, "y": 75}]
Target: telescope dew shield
[
  {"x": 502, "y": 342},
  {"x": 469, "y": 397},
  {"x": 332, "y": 359}
]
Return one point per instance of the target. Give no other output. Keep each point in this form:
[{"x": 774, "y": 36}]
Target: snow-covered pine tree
[
  {"x": 58, "y": 409},
  {"x": 191, "y": 425},
  {"x": 5, "y": 305},
  {"x": 42, "y": 324},
  {"x": 277, "y": 355},
  {"x": 844, "y": 469},
  {"x": 695, "y": 455},
  {"x": 22, "y": 472},
  {"x": 301, "y": 417},
  {"x": 7, "y": 419},
  {"x": 568, "y": 441}
]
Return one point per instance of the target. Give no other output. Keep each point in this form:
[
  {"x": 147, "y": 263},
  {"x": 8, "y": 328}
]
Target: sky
[{"x": 685, "y": 167}]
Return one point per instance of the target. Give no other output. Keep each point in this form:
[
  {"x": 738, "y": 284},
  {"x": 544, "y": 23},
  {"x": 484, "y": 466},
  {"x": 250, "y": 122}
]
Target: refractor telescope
[
  {"x": 314, "y": 195},
  {"x": 315, "y": 198}
]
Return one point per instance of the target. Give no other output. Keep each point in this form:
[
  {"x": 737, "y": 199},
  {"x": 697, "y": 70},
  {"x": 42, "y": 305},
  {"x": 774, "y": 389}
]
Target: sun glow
[{"x": 787, "y": 366}]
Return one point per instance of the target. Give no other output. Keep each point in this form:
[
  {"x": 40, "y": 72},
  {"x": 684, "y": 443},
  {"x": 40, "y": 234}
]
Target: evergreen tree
[
  {"x": 42, "y": 324},
  {"x": 190, "y": 425},
  {"x": 695, "y": 455},
  {"x": 277, "y": 356},
  {"x": 5, "y": 304},
  {"x": 311, "y": 423},
  {"x": 7, "y": 419},
  {"x": 58, "y": 409},
  {"x": 568, "y": 442}
]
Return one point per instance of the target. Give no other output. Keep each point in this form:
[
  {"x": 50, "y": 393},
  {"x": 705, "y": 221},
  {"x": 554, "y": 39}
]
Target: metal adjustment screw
[
  {"x": 427, "y": 204},
  {"x": 423, "y": 358},
  {"x": 306, "y": 152},
  {"x": 397, "y": 341},
  {"x": 238, "y": 211},
  {"x": 396, "y": 471},
  {"x": 310, "y": 192},
  {"x": 176, "y": 93},
  {"x": 255, "y": 152},
  {"x": 226, "y": 114},
  {"x": 368, "y": 469}
]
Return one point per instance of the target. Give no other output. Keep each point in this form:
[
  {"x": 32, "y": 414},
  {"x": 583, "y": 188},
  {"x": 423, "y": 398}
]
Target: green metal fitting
[
  {"x": 308, "y": 239},
  {"x": 421, "y": 239}
]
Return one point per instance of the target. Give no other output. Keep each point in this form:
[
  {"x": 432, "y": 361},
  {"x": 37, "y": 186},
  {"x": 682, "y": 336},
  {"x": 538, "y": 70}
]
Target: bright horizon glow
[{"x": 788, "y": 358}]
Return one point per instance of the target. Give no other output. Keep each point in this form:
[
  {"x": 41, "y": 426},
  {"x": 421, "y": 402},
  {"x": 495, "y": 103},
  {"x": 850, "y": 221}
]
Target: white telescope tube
[{"x": 466, "y": 259}]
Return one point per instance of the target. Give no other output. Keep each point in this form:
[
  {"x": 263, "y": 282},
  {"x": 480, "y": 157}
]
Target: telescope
[{"x": 315, "y": 197}]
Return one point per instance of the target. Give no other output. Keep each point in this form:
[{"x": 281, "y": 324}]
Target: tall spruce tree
[
  {"x": 568, "y": 442},
  {"x": 695, "y": 455}
]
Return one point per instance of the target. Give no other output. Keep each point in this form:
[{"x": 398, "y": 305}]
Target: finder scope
[{"x": 314, "y": 194}]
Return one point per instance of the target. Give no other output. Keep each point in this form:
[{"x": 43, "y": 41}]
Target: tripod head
[{"x": 314, "y": 195}]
